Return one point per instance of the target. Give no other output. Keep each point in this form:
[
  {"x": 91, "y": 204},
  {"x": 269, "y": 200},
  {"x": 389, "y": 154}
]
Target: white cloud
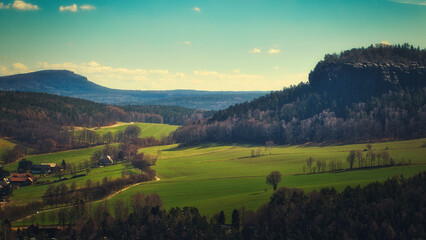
[
  {"x": 93, "y": 64},
  {"x": 15, "y": 68},
  {"x": 19, "y": 67},
  {"x": 226, "y": 76},
  {"x": 180, "y": 75},
  {"x": 274, "y": 51},
  {"x": 23, "y": 6},
  {"x": 255, "y": 50},
  {"x": 87, "y": 7},
  {"x": 187, "y": 43},
  {"x": 158, "y": 78},
  {"x": 197, "y": 9},
  {"x": 121, "y": 78},
  {"x": 72, "y": 8},
  {"x": 2, "y": 6},
  {"x": 412, "y": 2},
  {"x": 385, "y": 43}
]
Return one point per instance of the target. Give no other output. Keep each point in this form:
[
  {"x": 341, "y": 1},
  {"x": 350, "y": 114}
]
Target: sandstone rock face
[{"x": 360, "y": 80}]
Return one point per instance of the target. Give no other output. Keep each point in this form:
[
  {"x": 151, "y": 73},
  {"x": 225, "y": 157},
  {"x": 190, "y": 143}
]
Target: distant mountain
[
  {"x": 363, "y": 94},
  {"x": 67, "y": 83}
]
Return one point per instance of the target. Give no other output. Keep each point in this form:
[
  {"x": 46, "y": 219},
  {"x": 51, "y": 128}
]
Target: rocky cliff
[{"x": 356, "y": 81}]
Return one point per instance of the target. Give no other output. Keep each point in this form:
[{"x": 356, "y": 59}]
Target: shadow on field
[
  {"x": 357, "y": 169},
  {"x": 203, "y": 146},
  {"x": 321, "y": 144}
]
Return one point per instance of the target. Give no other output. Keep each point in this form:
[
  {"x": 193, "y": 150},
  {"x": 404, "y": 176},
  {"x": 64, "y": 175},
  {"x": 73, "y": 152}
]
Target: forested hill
[
  {"x": 21, "y": 106},
  {"x": 66, "y": 83},
  {"x": 42, "y": 121},
  {"x": 67, "y": 111},
  {"x": 361, "y": 94}
]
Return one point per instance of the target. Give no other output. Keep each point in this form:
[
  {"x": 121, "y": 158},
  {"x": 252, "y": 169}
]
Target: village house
[
  {"x": 44, "y": 168},
  {"x": 21, "y": 179}
]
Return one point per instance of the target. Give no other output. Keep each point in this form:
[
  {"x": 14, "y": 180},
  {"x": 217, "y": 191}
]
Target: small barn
[
  {"x": 44, "y": 168},
  {"x": 40, "y": 169}
]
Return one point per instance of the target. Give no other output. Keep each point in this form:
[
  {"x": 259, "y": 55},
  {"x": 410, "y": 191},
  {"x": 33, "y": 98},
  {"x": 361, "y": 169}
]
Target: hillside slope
[{"x": 358, "y": 95}]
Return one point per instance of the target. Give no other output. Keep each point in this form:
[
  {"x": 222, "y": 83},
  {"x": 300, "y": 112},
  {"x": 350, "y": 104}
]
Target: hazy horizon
[{"x": 197, "y": 45}]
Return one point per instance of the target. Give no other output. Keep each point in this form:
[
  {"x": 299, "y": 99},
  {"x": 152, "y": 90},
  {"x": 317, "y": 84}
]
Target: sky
[{"x": 220, "y": 45}]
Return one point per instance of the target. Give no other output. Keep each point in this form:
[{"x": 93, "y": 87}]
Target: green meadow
[
  {"x": 222, "y": 177},
  {"x": 214, "y": 177},
  {"x": 155, "y": 130},
  {"x": 4, "y": 146},
  {"x": 71, "y": 156}
]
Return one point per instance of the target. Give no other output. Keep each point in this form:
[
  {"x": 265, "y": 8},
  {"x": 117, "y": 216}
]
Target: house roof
[
  {"x": 107, "y": 159},
  {"x": 21, "y": 175},
  {"x": 52, "y": 165},
  {"x": 20, "y": 179}
]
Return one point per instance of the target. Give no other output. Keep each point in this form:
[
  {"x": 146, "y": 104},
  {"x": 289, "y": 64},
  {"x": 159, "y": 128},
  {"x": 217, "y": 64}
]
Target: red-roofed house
[{"x": 21, "y": 179}]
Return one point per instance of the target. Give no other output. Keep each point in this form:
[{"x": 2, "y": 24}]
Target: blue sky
[{"x": 204, "y": 45}]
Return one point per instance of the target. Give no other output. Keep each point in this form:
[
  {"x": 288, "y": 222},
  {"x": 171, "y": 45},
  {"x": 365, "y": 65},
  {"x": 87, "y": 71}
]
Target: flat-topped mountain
[
  {"x": 67, "y": 83},
  {"x": 357, "y": 74}
]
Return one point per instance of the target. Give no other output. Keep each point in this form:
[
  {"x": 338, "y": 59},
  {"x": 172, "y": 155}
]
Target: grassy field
[
  {"x": 217, "y": 177},
  {"x": 220, "y": 177},
  {"x": 148, "y": 129},
  {"x": 4, "y": 146},
  {"x": 72, "y": 156}
]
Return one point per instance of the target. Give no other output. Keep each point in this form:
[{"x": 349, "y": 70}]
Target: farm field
[
  {"x": 220, "y": 177},
  {"x": 4, "y": 146},
  {"x": 155, "y": 130},
  {"x": 214, "y": 177},
  {"x": 71, "y": 156}
]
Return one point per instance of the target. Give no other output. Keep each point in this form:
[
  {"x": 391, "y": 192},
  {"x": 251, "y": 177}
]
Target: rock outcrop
[{"x": 352, "y": 82}]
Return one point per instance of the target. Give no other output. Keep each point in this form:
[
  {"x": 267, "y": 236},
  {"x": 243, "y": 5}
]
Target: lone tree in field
[
  {"x": 274, "y": 178},
  {"x": 268, "y": 145},
  {"x": 351, "y": 158}
]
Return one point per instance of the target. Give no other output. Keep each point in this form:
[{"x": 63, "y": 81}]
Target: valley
[{"x": 214, "y": 177}]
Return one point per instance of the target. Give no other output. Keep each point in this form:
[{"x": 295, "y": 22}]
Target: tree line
[
  {"x": 367, "y": 158},
  {"x": 312, "y": 118}
]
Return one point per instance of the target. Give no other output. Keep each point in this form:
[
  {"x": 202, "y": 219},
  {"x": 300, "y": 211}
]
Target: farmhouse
[
  {"x": 21, "y": 179},
  {"x": 40, "y": 169},
  {"x": 106, "y": 161},
  {"x": 44, "y": 168}
]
